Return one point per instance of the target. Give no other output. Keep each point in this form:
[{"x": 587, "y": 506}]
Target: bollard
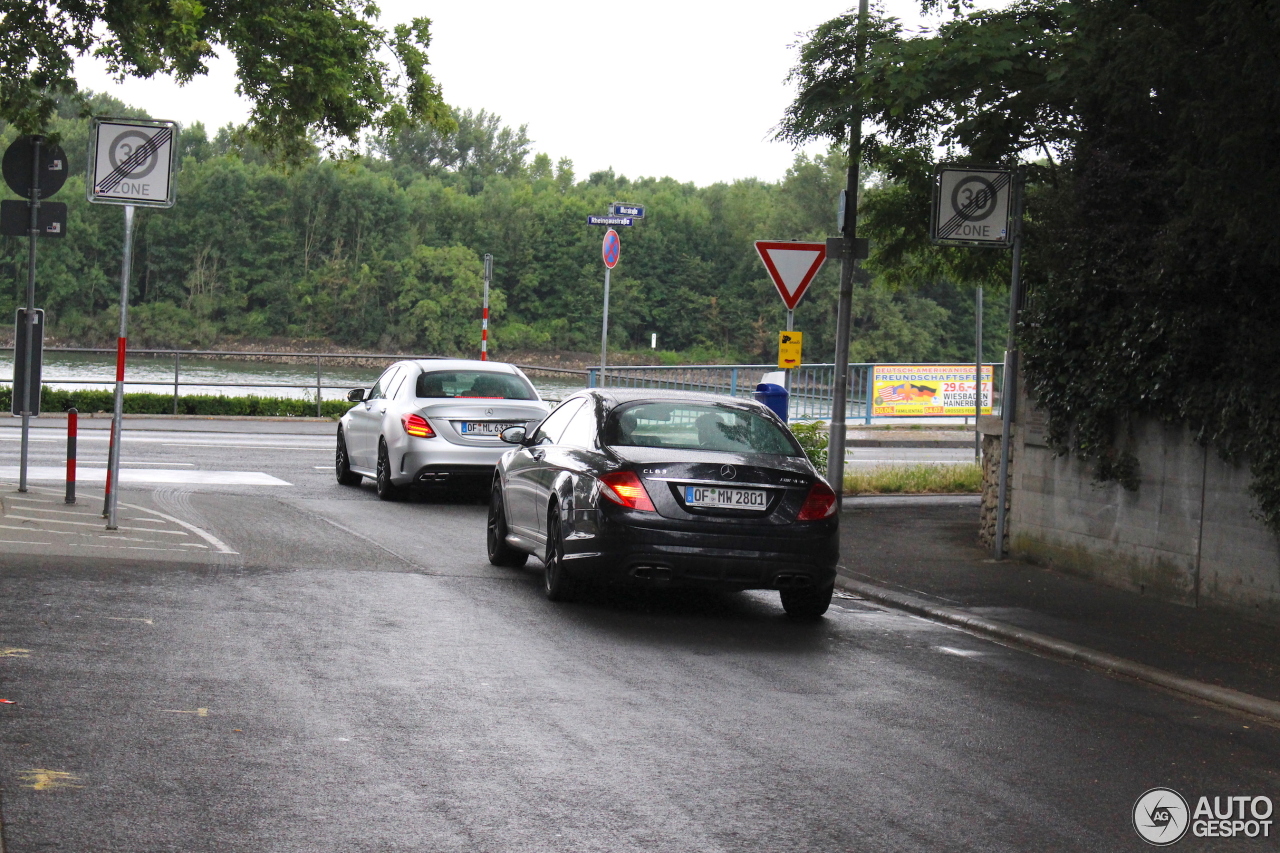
[{"x": 73, "y": 417}]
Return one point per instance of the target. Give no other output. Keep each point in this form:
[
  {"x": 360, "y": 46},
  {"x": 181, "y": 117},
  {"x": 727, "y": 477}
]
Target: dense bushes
[{"x": 57, "y": 400}]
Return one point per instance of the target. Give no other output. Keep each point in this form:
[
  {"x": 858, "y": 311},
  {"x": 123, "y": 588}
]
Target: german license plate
[
  {"x": 482, "y": 428},
  {"x": 718, "y": 496}
]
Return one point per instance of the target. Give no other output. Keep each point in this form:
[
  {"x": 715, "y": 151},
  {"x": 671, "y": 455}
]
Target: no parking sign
[{"x": 611, "y": 249}]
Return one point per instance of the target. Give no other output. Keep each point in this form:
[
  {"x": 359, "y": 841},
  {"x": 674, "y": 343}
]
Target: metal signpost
[
  {"x": 610, "y": 250},
  {"x": 977, "y": 375},
  {"x": 792, "y": 266},
  {"x": 981, "y": 206},
  {"x": 130, "y": 163},
  {"x": 36, "y": 170},
  {"x": 484, "y": 318}
]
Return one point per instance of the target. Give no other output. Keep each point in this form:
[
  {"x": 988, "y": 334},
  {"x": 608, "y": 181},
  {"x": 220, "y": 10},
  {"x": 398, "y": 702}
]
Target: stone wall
[{"x": 1187, "y": 534}]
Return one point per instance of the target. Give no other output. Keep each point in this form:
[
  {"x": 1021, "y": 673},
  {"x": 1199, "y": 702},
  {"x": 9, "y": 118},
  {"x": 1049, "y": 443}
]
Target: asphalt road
[{"x": 346, "y": 674}]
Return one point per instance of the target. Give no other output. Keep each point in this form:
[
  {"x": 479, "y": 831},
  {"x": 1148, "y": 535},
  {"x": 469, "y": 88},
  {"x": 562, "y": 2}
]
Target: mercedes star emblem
[{"x": 728, "y": 472}]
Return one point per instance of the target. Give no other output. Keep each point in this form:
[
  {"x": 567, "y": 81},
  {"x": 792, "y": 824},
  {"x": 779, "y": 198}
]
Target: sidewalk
[{"x": 929, "y": 551}]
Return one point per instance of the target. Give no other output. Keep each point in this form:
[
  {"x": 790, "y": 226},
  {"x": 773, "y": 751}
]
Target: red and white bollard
[{"x": 73, "y": 418}]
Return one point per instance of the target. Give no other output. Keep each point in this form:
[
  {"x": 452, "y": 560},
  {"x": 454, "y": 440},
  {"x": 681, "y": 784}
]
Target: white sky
[{"x": 690, "y": 90}]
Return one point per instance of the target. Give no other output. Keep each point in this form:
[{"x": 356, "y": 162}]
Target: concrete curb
[
  {"x": 855, "y": 501},
  {"x": 1060, "y": 648}
]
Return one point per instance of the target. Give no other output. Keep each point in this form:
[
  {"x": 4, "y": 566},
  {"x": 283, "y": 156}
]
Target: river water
[{"x": 144, "y": 373}]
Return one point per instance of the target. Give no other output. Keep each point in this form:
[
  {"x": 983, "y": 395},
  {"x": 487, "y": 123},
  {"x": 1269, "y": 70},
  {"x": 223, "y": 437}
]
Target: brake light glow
[
  {"x": 417, "y": 426},
  {"x": 625, "y": 489},
  {"x": 820, "y": 503}
]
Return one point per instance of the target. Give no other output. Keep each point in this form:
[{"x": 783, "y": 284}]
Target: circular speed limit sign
[
  {"x": 129, "y": 151},
  {"x": 973, "y": 206}
]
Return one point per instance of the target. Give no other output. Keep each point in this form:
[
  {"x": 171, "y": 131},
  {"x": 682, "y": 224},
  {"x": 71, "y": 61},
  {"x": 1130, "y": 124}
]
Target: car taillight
[
  {"x": 416, "y": 425},
  {"x": 820, "y": 503},
  {"x": 625, "y": 489}
]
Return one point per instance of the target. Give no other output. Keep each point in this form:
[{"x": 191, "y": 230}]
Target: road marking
[
  {"x": 199, "y": 712},
  {"x": 129, "y": 619},
  {"x": 69, "y": 511},
  {"x": 248, "y": 446},
  {"x": 12, "y": 652},
  {"x": 964, "y": 653},
  {"x": 323, "y": 467},
  {"x": 203, "y": 534},
  {"x": 144, "y": 475},
  {"x": 129, "y": 547},
  {"x": 91, "y": 524},
  {"x": 22, "y": 542},
  {"x": 50, "y": 780}
]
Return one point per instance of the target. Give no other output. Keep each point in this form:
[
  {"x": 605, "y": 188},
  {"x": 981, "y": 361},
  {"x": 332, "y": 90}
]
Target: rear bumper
[
  {"x": 621, "y": 553},
  {"x": 440, "y": 463}
]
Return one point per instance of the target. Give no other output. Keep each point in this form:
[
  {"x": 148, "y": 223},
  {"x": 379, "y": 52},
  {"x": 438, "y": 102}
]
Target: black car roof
[{"x": 618, "y": 396}]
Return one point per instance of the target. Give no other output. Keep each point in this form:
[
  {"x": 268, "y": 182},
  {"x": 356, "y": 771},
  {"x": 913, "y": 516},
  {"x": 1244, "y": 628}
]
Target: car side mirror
[
  {"x": 513, "y": 435},
  {"x": 356, "y": 395}
]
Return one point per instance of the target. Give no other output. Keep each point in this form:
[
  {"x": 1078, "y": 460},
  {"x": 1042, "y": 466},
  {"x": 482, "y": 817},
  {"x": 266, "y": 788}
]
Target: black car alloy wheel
[
  {"x": 559, "y": 586},
  {"x": 500, "y": 553}
]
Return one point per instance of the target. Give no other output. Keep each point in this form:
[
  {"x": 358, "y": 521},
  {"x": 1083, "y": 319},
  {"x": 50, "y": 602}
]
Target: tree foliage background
[
  {"x": 384, "y": 252},
  {"x": 1149, "y": 132}
]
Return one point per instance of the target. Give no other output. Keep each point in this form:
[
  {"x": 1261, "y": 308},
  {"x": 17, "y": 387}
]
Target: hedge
[{"x": 57, "y": 400}]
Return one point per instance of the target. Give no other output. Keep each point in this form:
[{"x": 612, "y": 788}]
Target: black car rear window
[
  {"x": 481, "y": 384},
  {"x": 698, "y": 426}
]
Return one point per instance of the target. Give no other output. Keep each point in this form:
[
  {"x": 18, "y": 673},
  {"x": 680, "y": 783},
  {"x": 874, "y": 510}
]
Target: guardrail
[
  {"x": 811, "y": 384},
  {"x": 319, "y": 386},
  {"x": 812, "y": 394}
]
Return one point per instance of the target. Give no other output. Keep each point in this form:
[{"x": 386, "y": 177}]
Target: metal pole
[
  {"x": 1010, "y": 391},
  {"x": 604, "y": 332},
  {"x": 977, "y": 376},
  {"x": 840, "y": 389},
  {"x": 176, "y": 356},
  {"x": 117, "y": 420},
  {"x": 786, "y": 373},
  {"x": 318, "y": 410},
  {"x": 73, "y": 416},
  {"x": 32, "y": 234},
  {"x": 484, "y": 317}
]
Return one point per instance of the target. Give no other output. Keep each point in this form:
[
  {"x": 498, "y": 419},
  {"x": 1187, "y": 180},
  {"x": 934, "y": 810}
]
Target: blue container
[{"x": 773, "y": 396}]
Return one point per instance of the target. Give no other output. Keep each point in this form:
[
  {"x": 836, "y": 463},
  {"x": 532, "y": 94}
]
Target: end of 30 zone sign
[
  {"x": 131, "y": 162},
  {"x": 974, "y": 206}
]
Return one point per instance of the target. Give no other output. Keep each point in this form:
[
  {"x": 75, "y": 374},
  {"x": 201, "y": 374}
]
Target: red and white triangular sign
[{"x": 791, "y": 266}]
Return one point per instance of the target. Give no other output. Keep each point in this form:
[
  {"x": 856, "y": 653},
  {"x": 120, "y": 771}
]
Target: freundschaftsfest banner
[{"x": 924, "y": 390}]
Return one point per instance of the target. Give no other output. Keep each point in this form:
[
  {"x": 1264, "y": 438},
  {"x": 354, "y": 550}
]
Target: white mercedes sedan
[{"x": 433, "y": 423}]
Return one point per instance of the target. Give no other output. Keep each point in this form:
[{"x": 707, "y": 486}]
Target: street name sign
[
  {"x": 611, "y": 221},
  {"x": 131, "y": 161},
  {"x": 792, "y": 266},
  {"x": 633, "y": 210},
  {"x": 973, "y": 206}
]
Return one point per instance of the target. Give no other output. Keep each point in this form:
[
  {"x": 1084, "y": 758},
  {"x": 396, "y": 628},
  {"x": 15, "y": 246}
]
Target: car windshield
[
  {"x": 480, "y": 384},
  {"x": 699, "y": 426}
]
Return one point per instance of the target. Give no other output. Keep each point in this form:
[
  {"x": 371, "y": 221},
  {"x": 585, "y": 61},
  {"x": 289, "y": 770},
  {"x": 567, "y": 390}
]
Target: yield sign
[{"x": 791, "y": 266}]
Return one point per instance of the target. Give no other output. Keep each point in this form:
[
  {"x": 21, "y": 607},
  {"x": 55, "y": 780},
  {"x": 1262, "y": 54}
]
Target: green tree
[{"x": 307, "y": 68}]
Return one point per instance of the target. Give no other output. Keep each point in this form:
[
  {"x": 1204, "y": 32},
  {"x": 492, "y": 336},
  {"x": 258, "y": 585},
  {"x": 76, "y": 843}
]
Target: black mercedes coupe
[{"x": 663, "y": 488}]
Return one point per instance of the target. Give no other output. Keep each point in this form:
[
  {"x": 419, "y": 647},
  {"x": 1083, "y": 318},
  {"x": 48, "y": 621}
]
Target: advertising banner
[{"x": 925, "y": 390}]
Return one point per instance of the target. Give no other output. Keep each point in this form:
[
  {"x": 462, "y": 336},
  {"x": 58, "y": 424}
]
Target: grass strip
[
  {"x": 918, "y": 479},
  {"x": 86, "y": 401}
]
